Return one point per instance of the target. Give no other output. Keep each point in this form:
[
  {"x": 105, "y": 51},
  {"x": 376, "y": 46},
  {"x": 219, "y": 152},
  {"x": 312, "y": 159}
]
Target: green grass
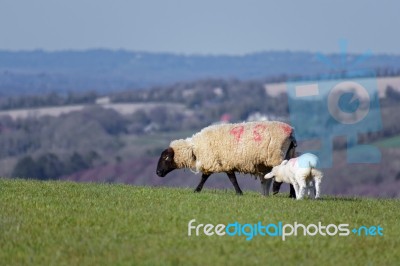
[{"x": 62, "y": 223}]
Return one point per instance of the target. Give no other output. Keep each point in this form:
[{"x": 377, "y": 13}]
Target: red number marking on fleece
[
  {"x": 257, "y": 131},
  {"x": 237, "y": 132},
  {"x": 287, "y": 129}
]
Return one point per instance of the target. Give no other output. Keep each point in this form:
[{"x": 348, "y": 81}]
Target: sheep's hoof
[
  {"x": 239, "y": 193},
  {"x": 197, "y": 190}
]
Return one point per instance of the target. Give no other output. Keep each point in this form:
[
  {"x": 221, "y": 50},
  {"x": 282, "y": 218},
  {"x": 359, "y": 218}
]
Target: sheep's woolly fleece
[{"x": 250, "y": 148}]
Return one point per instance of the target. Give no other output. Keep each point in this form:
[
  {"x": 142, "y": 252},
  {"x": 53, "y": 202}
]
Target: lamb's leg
[
  {"x": 277, "y": 185},
  {"x": 309, "y": 189},
  {"x": 301, "y": 193},
  {"x": 317, "y": 189},
  {"x": 234, "y": 182},
  {"x": 204, "y": 178},
  {"x": 312, "y": 189},
  {"x": 296, "y": 189},
  {"x": 265, "y": 186},
  {"x": 302, "y": 189}
]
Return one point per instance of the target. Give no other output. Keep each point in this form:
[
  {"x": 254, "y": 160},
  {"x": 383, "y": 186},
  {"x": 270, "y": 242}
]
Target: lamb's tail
[
  {"x": 313, "y": 167},
  {"x": 310, "y": 168},
  {"x": 313, "y": 164}
]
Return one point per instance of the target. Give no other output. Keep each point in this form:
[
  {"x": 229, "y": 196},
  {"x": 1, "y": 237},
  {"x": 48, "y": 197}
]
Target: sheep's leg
[
  {"x": 232, "y": 178},
  {"x": 291, "y": 153},
  {"x": 265, "y": 186},
  {"x": 204, "y": 178}
]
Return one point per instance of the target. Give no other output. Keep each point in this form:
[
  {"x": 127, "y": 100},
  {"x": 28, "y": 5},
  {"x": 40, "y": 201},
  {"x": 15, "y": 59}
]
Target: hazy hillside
[
  {"x": 33, "y": 72},
  {"x": 105, "y": 123},
  {"x": 117, "y": 138}
]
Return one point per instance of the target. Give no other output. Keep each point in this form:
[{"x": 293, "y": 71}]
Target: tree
[
  {"x": 26, "y": 168},
  {"x": 76, "y": 163},
  {"x": 49, "y": 166}
]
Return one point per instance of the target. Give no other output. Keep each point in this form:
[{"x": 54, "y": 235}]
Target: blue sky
[{"x": 200, "y": 27}]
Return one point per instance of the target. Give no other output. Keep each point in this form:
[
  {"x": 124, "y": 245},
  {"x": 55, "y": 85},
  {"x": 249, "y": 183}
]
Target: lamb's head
[
  {"x": 275, "y": 172},
  {"x": 166, "y": 162},
  {"x": 271, "y": 174}
]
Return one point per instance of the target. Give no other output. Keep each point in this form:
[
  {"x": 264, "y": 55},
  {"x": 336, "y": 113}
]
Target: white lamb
[{"x": 301, "y": 172}]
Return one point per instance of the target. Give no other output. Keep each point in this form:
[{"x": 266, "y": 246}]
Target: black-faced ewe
[
  {"x": 301, "y": 172},
  {"x": 249, "y": 148}
]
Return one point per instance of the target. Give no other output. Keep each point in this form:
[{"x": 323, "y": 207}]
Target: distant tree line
[
  {"x": 47, "y": 100},
  {"x": 50, "y": 166},
  {"x": 202, "y": 90}
]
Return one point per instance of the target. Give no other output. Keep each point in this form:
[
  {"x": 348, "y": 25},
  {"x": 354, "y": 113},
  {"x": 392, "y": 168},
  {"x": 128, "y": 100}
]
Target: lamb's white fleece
[{"x": 301, "y": 172}]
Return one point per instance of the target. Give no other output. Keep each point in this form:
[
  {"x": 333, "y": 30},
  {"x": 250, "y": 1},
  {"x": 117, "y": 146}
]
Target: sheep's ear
[
  {"x": 269, "y": 176},
  {"x": 284, "y": 162}
]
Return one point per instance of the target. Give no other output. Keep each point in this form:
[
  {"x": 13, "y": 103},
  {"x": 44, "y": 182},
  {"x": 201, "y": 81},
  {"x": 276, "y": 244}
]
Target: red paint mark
[
  {"x": 257, "y": 132},
  {"x": 237, "y": 132},
  {"x": 287, "y": 129},
  {"x": 293, "y": 161}
]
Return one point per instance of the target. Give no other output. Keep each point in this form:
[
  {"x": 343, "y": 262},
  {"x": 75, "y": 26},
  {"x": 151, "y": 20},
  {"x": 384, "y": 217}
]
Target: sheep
[
  {"x": 249, "y": 148},
  {"x": 301, "y": 172}
]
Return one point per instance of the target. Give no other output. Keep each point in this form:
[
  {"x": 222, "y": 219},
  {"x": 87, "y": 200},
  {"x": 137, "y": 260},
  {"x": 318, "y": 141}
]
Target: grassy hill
[{"x": 57, "y": 223}]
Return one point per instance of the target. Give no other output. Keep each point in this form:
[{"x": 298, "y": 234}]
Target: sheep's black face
[{"x": 166, "y": 162}]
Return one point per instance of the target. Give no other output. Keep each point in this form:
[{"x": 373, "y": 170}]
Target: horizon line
[{"x": 184, "y": 54}]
